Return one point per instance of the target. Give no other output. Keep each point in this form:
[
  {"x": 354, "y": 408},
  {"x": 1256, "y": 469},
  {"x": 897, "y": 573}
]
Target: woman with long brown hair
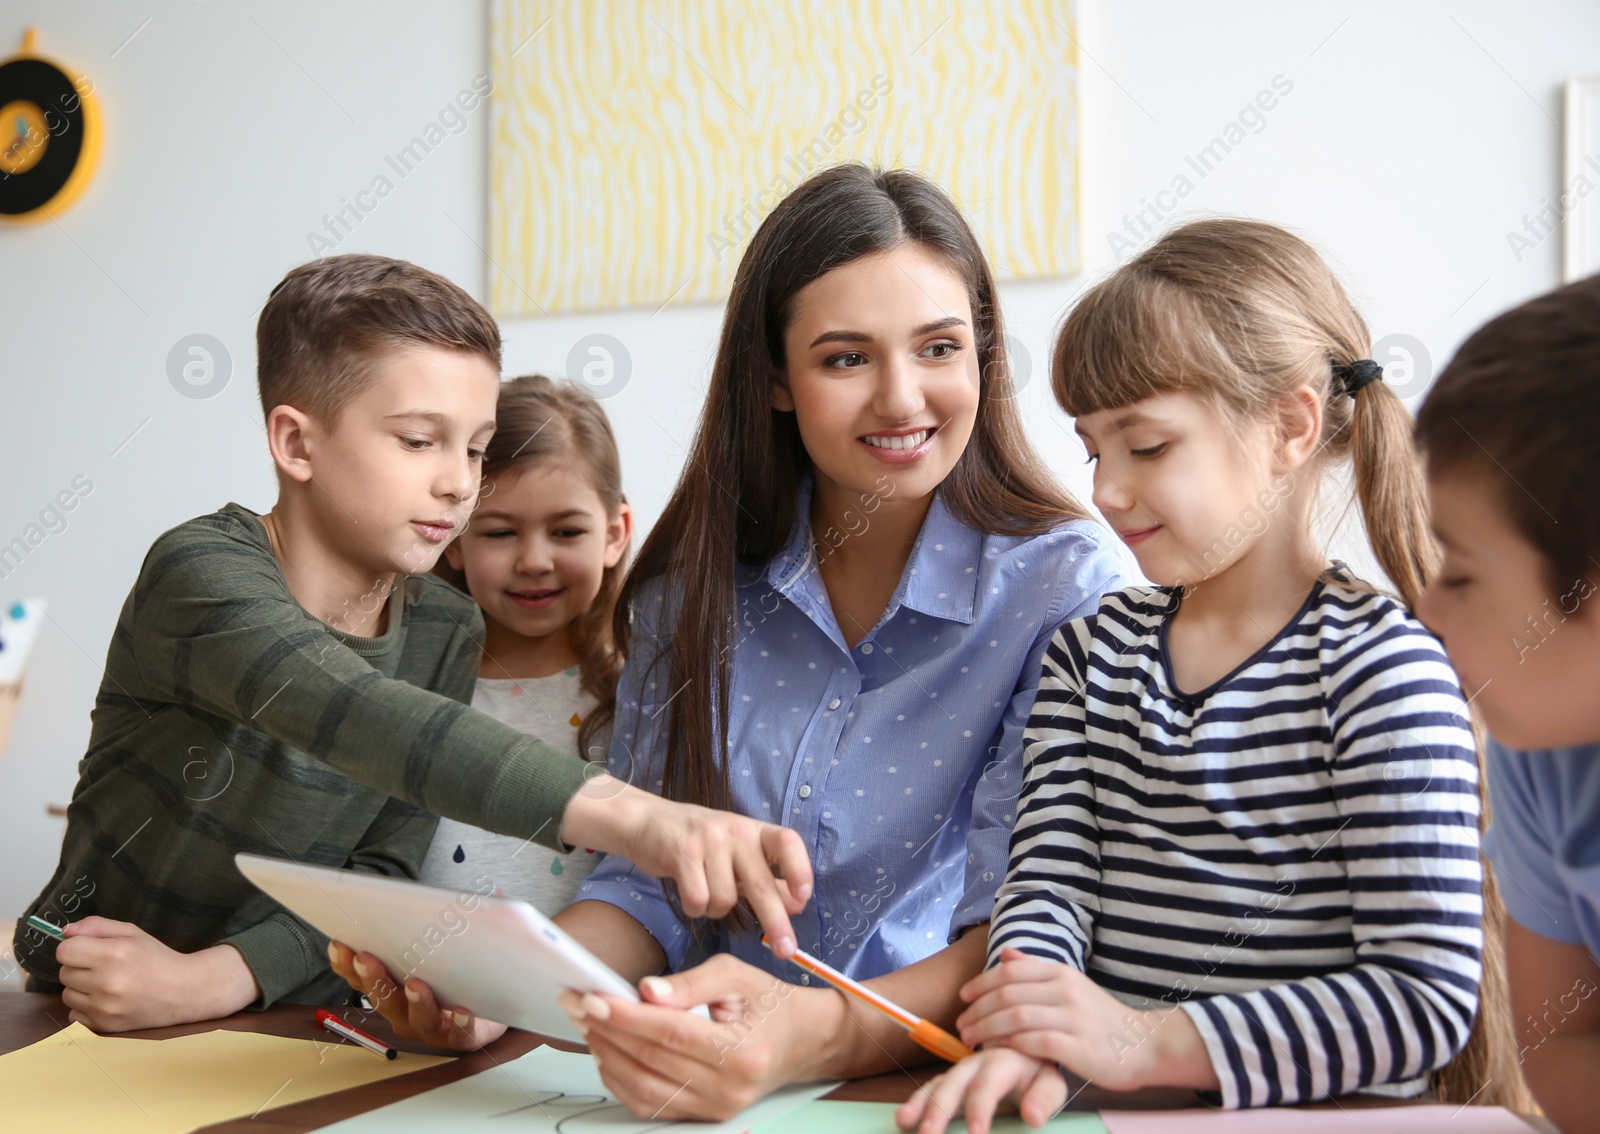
[{"x": 837, "y": 623}]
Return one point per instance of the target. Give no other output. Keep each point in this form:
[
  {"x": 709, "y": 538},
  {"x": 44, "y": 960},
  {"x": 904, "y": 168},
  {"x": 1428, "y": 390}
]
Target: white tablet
[{"x": 500, "y": 958}]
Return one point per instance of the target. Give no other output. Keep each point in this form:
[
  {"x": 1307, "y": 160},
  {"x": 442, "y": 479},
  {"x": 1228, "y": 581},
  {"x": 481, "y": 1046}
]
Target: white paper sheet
[{"x": 549, "y": 1092}]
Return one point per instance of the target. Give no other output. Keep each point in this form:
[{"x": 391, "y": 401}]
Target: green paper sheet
[{"x": 878, "y": 1118}]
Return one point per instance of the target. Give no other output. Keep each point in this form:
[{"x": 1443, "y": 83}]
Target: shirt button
[
  {"x": 805, "y": 791},
  {"x": 866, "y": 647},
  {"x": 805, "y": 978},
  {"x": 833, "y": 704}
]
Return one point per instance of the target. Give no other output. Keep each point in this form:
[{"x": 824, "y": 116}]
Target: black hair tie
[{"x": 1351, "y": 376}]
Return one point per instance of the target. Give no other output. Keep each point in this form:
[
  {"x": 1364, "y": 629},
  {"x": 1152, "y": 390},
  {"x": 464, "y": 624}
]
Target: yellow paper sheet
[{"x": 77, "y": 1080}]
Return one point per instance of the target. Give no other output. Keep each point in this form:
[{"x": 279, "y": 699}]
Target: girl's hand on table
[
  {"x": 977, "y": 1086},
  {"x": 1055, "y": 1013}
]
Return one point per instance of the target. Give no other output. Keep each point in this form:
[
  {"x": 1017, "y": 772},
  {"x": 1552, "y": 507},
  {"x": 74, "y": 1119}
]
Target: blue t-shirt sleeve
[
  {"x": 638, "y": 756},
  {"x": 1523, "y": 820},
  {"x": 1089, "y": 567}
]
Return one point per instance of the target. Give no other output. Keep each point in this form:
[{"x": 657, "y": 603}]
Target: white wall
[
  {"x": 231, "y": 130},
  {"x": 1414, "y": 139}
]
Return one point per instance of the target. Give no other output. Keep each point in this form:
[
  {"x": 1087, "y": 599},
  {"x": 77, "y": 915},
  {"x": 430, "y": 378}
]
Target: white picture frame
[{"x": 1580, "y": 181}]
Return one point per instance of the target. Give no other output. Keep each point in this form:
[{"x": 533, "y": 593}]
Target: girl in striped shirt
[{"x": 1245, "y": 858}]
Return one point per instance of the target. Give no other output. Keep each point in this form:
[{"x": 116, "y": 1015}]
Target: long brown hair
[
  {"x": 736, "y": 500},
  {"x": 1243, "y": 313},
  {"x": 539, "y": 421}
]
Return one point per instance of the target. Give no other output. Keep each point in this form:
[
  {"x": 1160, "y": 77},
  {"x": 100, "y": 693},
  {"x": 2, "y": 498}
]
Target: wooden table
[{"x": 31, "y": 1016}]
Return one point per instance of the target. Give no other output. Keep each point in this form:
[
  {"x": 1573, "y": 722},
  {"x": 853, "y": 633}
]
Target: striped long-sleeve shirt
[
  {"x": 231, "y": 719},
  {"x": 1290, "y": 855}
]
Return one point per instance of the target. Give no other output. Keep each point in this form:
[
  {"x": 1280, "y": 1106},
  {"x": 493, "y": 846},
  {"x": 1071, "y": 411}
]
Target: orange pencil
[{"x": 930, "y": 1036}]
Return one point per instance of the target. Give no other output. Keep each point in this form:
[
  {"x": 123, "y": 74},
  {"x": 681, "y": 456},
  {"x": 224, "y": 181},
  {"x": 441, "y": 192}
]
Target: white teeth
[{"x": 909, "y": 441}]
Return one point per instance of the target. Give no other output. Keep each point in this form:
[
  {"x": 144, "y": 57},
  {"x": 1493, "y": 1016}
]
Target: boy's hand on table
[
  {"x": 412, "y": 1011},
  {"x": 118, "y": 978},
  {"x": 1055, "y": 1013},
  {"x": 975, "y": 1088},
  {"x": 715, "y": 857},
  {"x": 662, "y": 1061}
]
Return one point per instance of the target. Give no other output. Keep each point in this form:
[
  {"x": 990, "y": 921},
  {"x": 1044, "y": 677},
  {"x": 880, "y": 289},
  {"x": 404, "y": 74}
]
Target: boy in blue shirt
[{"x": 1509, "y": 432}]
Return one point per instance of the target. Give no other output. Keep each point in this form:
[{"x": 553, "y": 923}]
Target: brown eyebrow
[
  {"x": 433, "y": 417},
  {"x": 494, "y": 514},
  {"x": 1132, "y": 417},
  {"x": 863, "y": 337}
]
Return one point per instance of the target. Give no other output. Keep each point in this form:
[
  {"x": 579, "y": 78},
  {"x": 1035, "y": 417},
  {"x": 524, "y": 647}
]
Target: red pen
[{"x": 355, "y": 1035}]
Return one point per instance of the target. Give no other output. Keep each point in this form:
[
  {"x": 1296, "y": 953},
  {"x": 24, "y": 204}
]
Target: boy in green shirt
[{"x": 295, "y": 684}]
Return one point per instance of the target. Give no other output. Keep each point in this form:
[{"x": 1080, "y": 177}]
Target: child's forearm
[
  {"x": 1561, "y": 1074},
  {"x": 605, "y": 814},
  {"x": 617, "y": 939},
  {"x": 1178, "y": 1053},
  {"x": 866, "y": 1042},
  {"x": 224, "y": 984}
]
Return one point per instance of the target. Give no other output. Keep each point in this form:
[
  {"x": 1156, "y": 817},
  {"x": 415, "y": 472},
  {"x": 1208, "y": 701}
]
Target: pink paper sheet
[{"x": 1427, "y": 1119}]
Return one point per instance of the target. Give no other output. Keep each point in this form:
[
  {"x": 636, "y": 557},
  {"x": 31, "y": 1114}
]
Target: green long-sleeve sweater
[{"x": 230, "y": 719}]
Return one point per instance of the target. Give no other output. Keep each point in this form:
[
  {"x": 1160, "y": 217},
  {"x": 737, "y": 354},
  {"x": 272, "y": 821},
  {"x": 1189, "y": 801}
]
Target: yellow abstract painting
[{"x": 637, "y": 144}]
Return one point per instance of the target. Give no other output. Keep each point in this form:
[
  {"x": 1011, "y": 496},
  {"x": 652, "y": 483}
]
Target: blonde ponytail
[{"x": 1390, "y": 488}]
